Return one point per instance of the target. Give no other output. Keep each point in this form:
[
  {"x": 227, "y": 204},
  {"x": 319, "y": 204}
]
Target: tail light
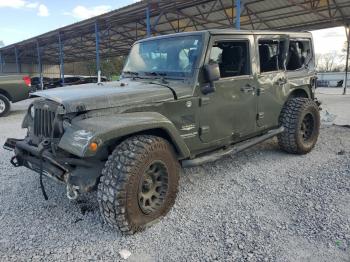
[{"x": 27, "y": 81}]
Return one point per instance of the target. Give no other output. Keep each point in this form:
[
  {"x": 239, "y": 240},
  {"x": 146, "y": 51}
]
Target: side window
[
  {"x": 299, "y": 54},
  {"x": 271, "y": 53},
  {"x": 232, "y": 57}
]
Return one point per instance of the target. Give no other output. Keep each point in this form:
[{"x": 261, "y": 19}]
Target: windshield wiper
[
  {"x": 162, "y": 83},
  {"x": 164, "y": 77},
  {"x": 161, "y": 74},
  {"x": 131, "y": 73},
  {"x": 156, "y": 73},
  {"x": 134, "y": 75}
]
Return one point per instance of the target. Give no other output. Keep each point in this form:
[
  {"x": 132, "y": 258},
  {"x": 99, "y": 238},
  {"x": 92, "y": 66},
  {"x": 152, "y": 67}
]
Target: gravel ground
[{"x": 259, "y": 205}]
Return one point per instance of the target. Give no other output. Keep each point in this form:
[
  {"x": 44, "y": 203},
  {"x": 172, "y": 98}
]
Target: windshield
[{"x": 166, "y": 57}]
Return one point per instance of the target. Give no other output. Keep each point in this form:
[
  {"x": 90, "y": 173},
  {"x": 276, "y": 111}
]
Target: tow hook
[
  {"x": 72, "y": 192},
  {"x": 14, "y": 161}
]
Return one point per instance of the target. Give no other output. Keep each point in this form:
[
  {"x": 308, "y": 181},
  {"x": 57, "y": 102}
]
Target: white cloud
[
  {"x": 31, "y": 5},
  {"x": 18, "y": 4},
  {"x": 13, "y": 3},
  {"x": 22, "y": 4},
  {"x": 83, "y": 12},
  {"x": 43, "y": 10}
]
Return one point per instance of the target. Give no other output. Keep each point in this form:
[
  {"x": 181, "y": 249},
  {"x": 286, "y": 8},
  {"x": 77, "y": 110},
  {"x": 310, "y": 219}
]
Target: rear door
[
  {"x": 272, "y": 79},
  {"x": 229, "y": 113}
]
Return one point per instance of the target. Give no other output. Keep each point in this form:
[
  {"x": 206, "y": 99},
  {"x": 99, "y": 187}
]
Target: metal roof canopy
[
  {"x": 113, "y": 33},
  {"x": 117, "y": 30}
]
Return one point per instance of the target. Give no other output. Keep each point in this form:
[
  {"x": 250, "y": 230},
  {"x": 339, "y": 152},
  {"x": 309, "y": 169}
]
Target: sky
[{"x": 23, "y": 19}]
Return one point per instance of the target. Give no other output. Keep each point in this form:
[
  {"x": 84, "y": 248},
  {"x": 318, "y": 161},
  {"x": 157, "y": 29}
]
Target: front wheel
[
  {"x": 301, "y": 119},
  {"x": 139, "y": 183}
]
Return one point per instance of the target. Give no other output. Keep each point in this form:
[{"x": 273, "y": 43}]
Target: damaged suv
[{"x": 183, "y": 100}]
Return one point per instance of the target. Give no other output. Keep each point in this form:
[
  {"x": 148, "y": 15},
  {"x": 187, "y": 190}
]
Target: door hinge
[
  {"x": 204, "y": 101},
  {"x": 204, "y": 130},
  {"x": 260, "y": 115},
  {"x": 260, "y": 91}
]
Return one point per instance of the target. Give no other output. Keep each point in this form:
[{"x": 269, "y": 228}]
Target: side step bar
[{"x": 211, "y": 157}]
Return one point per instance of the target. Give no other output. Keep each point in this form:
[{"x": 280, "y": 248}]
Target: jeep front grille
[{"x": 43, "y": 122}]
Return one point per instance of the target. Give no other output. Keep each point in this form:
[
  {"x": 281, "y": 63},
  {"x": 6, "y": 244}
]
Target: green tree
[{"x": 110, "y": 67}]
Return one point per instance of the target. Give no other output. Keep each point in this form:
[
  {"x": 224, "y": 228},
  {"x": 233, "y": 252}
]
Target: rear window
[
  {"x": 271, "y": 55},
  {"x": 299, "y": 54}
]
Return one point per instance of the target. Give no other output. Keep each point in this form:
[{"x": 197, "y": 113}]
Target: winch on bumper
[{"x": 80, "y": 175}]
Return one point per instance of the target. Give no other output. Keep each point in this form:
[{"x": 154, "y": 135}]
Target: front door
[
  {"x": 272, "y": 79},
  {"x": 229, "y": 113}
]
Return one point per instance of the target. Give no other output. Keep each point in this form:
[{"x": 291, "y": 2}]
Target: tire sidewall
[
  {"x": 157, "y": 152},
  {"x": 7, "y": 105},
  {"x": 306, "y": 146}
]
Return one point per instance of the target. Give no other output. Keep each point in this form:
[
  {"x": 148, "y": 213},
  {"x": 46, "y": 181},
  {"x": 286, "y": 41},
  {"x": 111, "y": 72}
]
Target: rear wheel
[
  {"x": 5, "y": 106},
  {"x": 139, "y": 183},
  {"x": 301, "y": 119}
]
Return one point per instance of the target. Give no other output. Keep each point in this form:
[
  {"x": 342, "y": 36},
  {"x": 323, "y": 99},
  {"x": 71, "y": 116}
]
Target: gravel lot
[{"x": 259, "y": 205}]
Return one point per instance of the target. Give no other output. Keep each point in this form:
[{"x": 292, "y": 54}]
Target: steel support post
[
  {"x": 1, "y": 63},
  {"x": 238, "y": 14},
  {"x": 347, "y": 30},
  {"x": 97, "y": 40},
  {"x": 40, "y": 68},
  {"x": 148, "y": 21},
  {"x": 17, "y": 62},
  {"x": 60, "y": 46}
]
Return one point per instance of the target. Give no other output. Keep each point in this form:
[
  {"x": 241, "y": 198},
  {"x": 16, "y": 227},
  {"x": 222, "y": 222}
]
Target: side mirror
[{"x": 211, "y": 74}]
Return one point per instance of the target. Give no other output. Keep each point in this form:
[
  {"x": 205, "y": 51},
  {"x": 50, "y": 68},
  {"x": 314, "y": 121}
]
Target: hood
[{"x": 111, "y": 94}]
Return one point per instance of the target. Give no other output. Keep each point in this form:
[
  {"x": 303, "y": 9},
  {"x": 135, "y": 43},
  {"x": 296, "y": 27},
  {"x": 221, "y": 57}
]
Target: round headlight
[{"x": 32, "y": 112}]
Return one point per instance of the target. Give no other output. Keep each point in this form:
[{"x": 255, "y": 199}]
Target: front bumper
[{"x": 82, "y": 174}]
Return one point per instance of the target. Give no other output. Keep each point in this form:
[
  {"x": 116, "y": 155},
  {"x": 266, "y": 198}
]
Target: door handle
[{"x": 247, "y": 88}]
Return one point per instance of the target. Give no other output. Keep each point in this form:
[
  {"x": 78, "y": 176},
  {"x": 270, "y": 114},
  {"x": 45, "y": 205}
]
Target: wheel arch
[
  {"x": 299, "y": 92},
  {"x": 109, "y": 131},
  {"x": 159, "y": 132},
  {"x": 5, "y": 93}
]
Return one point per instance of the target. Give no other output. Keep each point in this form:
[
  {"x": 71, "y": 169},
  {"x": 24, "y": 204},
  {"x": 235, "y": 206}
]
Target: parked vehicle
[
  {"x": 55, "y": 82},
  {"x": 73, "y": 80},
  {"x": 69, "y": 80},
  {"x": 13, "y": 88},
  {"x": 340, "y": 83},
  {"x": 183, "y": 100},
  {"x": 36, "y": 83},
  {"x": 93, "y": 79}
]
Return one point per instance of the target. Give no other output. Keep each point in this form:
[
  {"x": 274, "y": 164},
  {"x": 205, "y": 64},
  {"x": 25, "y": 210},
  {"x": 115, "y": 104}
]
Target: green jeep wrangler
[{"x": 183, "y": 100}]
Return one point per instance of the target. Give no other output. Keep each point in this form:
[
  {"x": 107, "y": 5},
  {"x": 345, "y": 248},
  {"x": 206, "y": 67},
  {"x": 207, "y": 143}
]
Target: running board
[{"x": 211, "y": 157}]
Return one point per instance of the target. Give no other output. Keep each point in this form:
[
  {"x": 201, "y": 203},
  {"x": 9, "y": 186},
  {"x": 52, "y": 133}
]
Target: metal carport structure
[{"x": 113, "y": 33}]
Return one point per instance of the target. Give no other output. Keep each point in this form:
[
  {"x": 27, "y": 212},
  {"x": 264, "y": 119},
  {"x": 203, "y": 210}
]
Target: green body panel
[
  {"x": 234, "y": 111},
  {"x": 107, "y": 128},
  {"x": 195, "y": 123},
  {"x": 13, "y": 87}
]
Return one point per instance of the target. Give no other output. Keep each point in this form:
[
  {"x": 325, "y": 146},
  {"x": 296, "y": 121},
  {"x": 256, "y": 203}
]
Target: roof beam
[{"x": 305, "y": 7}]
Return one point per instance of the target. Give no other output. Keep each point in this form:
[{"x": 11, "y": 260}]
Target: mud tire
[
  {"x": 119, "y": 187},
  {"x": 301, "y": 119}
]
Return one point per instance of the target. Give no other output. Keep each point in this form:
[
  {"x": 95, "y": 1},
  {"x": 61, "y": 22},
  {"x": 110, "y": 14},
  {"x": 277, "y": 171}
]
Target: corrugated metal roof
[{"x": 118, "y": 29}]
